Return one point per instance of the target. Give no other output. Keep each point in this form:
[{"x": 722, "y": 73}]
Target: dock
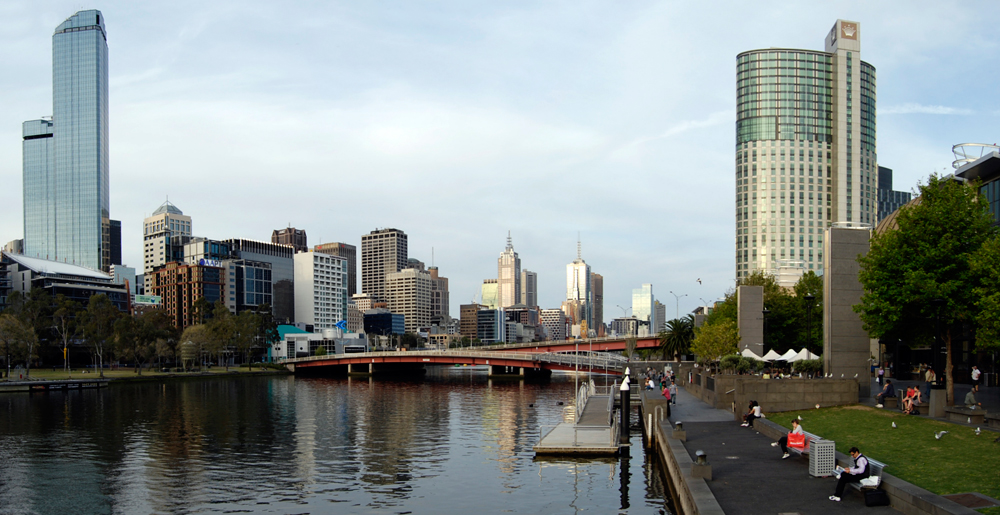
[
  {"x": 594, "y": 432},
  {"x": 45, "y": 386}
]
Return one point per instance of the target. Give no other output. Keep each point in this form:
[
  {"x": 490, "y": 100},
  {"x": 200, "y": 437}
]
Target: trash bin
[{"x": 822, "y": 458}]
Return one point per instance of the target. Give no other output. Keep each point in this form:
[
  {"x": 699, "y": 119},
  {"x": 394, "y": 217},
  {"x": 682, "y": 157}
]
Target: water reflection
[{"x": 437, "y": 444}]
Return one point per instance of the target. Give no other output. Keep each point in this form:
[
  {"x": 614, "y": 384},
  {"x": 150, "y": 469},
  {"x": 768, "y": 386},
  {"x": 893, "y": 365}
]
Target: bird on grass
[
  {"x": 939, "y": 434},
  {"x": 978, "y": 431},
  {"x": 800, "y": 417},
  {"x": 894, "y": 425}
]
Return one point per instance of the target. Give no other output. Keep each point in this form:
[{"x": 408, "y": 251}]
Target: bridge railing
[{"x": 526, "y": 356}]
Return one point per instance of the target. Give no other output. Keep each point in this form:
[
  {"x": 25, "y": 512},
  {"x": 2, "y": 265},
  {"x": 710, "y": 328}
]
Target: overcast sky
[{"x": 459, "y": 121}]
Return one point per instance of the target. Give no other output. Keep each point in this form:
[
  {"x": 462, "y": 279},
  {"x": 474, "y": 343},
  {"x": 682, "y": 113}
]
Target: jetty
[{"x": 44, "y": 386}]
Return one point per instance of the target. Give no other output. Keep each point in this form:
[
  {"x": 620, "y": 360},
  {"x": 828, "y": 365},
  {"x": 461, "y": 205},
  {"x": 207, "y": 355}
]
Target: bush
[
  {"x": 737, "y": 364},
  {"x": 809, "y": 366},
  {"x": 320, "y": 351}
]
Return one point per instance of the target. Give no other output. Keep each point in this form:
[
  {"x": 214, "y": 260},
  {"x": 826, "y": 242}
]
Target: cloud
[
  {"x": 913, "y": 108},
  {"x": 713, "y": 119}
]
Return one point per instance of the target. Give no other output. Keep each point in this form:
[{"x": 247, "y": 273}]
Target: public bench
[
  {"x": 809, "y": 437},
  {"x": 874, "y": 470},
  {"x": 993, "y": 420},
  {"x": 962, "y": 414},
  {"x": 890, "y": 402},
  {"x": 922, "y": 407}
]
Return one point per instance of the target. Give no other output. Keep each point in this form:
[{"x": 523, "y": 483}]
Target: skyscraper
[
  {"x": 383, "y": 252},
  {"x": 644, "y": 308},
  {"x": 508, "y": 276},
  {"x": 291, "y": 236},
  {"x": 164, "y": 234},
  {"x": 578, "y": 288},
  {"x": 440, "y": 308},
  {"x": 889, "y": 200},
  {"x": 805, "y": 149},
  {"x": 65, "y": 167},
  {"x": 350, "y": 254},
  {"x": 597, "y": 286},
  {"x": 529, "y": 288}
]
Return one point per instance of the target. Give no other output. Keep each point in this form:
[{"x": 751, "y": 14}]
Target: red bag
[{"x": 796, "y": 440}]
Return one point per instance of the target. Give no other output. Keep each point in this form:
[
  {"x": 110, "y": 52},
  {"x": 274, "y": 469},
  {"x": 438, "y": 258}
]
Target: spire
[
  {"x": 510, "y": 246},
  {"x": 579, "y": 253}
]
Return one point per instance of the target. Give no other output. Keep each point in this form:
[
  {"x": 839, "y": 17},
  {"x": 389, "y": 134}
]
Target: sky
[{"x": 457, "y": 122}]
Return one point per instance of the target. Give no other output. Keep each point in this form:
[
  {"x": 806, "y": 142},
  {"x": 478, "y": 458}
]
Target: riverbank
[{"x": 128, "y": 375}]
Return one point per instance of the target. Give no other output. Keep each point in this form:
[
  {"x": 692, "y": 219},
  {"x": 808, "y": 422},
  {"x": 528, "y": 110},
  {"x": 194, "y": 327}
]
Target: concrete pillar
[
  {"x": 521, "y": 372},
  {"x": 750, "y": 319},
  {"x": 846, "y": 345},
  {"x": 936, "y": 402}
]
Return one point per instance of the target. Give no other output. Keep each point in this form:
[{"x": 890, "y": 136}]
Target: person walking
[
  {"x": 851, "y": 475},
  {"x": 881, "y": 376},
  {"x": 673, "y": 393},
  {"x": 929, "y": 377},
  {"x": 975, "y": 377}
]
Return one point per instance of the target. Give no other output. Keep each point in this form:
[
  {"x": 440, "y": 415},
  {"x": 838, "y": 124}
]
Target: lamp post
[
  {"x": 677, "y": 299},
  {"x": 810, "y": 299},
  {"x": 936, "y": 349}
]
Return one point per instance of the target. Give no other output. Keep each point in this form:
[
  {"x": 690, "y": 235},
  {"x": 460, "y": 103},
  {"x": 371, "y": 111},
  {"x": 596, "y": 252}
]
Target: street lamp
[
  {"x": 936, "y": 350},
  {"x": 678, "y": 298},
  {"x": 810, "y": 299}
]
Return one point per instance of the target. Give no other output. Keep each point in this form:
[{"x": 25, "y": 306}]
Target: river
[{"x": 450, "y": 442}]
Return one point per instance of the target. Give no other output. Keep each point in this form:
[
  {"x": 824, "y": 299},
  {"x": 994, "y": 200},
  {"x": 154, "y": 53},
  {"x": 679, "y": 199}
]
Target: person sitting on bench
[
  {"x": 889, "y": 390},
  {"x": 783, "y": 441},
  {"x": 752, "y": 414},
  {"x": 852, "y": 475}
]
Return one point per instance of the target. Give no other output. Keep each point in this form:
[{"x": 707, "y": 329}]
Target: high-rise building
[
  {"x": 529, "y": 288},
  {"x": 115, "y": 249},
  {"x": 65, "y": 162},
  {"x": 280, "y": 257},
  {"x": 248, "y": 284},
  {"x": 805, "y": 149},
  {"x": 439, "y": 298},
  {"x": 661, "y": 317},
  {"x": 555, "y": 323},
  {"x": 296, "y": 238},
  {"x": 508, "y": 276},
  {"x": 363, "y": 301},
  {"x": 888, "y": 199},
  {"x": 409, "y": 293},
  {"x": 182, "y": 285},
  {"x": 383, "y": 252},
  {"x": 597, "y": 285},
  {"x": 490, "y": 293},
  {"x": 579, "y": 288},
  {"x": 350, "y": 254},
  {"x": 164, "y": 234},
  {"x": 643, "y": 307},
  {"x": 467, "y": 325},
  {"x": 321, "y": 296}
]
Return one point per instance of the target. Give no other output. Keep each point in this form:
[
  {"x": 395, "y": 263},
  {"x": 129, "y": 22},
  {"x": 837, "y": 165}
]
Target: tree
[
  {"x": 18, "y": 338},
  {"x": 245, "y": 331},
  {"x": 713, "y": 341},
  {"x": 221, "y": 328},
  {"x": 985, "y": 264},
  {"x": 65, "y": 322},
  {"x": 99, "y": 327},
  {"x": 676, "y": 338},
  {"x": 203, "y": 310},
  {"x": 194, "y": 340},
  {"x": 925, "y": 259},
  {"x": 267, "y": 327},
  {"x": 136, "y": 336}
]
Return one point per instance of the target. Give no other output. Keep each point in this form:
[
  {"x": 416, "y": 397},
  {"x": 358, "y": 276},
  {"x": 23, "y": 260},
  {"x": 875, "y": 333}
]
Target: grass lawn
[
  {"x": 959, "y": 462},
  {"x": 48, "y": 374}
]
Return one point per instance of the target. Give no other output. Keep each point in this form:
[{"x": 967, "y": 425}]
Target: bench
[
  {"x": 809, "y": 437},
  {"x": 993, "y": 420},
  {"x": 874, "y": 470},
  {"x": 922, "y": 407},
  {"x": 890, "y": 402},
  {"x": 962, "y": 414}
]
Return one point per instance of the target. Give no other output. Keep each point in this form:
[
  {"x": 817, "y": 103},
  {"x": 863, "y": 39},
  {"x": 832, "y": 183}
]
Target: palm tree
[{"x": 676, "y": 338}]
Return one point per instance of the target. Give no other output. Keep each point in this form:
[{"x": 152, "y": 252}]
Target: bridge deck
[{"x": 590, "y": 435}]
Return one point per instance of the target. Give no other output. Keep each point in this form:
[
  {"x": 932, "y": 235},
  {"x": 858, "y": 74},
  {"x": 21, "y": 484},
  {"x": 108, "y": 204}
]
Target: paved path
[{"x": 749, "y": 475}]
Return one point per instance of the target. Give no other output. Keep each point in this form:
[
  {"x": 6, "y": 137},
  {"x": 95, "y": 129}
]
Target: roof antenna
[
  {"x": 578, "y": 252},
  {"x": 509, "y": 244}
]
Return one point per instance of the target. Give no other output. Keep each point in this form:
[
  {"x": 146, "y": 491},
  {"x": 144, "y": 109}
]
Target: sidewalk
[{"x": 748, "y": 475}]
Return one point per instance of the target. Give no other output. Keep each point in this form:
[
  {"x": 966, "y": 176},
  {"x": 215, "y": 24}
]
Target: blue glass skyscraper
[{"x": 66, "y": 205}]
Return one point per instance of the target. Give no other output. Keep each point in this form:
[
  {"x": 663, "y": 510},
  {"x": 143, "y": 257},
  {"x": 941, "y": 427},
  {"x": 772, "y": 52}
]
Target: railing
[
  {"x": 582, "y": 396},
  {"x": 593, "y": 360}
]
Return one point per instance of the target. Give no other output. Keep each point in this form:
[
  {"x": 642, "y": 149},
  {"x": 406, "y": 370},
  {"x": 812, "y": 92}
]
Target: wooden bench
[
  {"x": 874, "y": 470},
  {"x": 809, "y": 437},
  {"x": 962, "y": 414}
]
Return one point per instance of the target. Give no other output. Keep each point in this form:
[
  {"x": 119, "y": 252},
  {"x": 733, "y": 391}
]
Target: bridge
[
  {"x": 501, "y": 362},
  {"x": 608, "y": 344}
]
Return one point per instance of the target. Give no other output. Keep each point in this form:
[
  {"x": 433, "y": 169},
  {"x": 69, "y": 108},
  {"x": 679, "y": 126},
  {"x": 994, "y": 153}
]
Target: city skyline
[{"x": 582, "y": 110}]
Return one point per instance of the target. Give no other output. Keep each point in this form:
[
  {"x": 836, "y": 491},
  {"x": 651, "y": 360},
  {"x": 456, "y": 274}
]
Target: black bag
[{"x": 876, "y": 497}]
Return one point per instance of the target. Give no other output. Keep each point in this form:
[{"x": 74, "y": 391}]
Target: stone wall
[{"x": 776, "y": 395}]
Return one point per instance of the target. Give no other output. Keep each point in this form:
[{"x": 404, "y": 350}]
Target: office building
[
  {"x": 382, "y": 322},
  {"x": 661, "y": 317},
  {"x": 14, "y": 247},
  {"x": 350, "y": 254},
  {"x": 355, "y": 318},
  {"x": 182, "y": 285},
  {"x": 986, "y": 170},
  {"x": 383, "y": 252},
  {"x": 279, "y": 256},
  {"x": 529, "y": 288},
  {"x": 508, "y": 276},
  {"x": 643, "y": 306},
  {"x": 467, "y": 321},
  {"x": 409, "y": 294},
  {"x": 320, "y": 295},
  {"x": 197, "y": 250},
  {"x": 889, "y": 200},
  {"x": 76, "y": 283},
  {"x": 440, "y": 307},
  {"x": 65, "y": 158},
  {"x": 597, "y": 287},
  {"x": 579, "y": 290},
  {"x": 805, "y": 149},
  {"x": 115, "y": 246},
  {"x": 364, "y": 302},
  {"x": 122, "y": 274},
  {"x": 295, "y": 238},
  {"x": 249, "y": 284},
  {"x": 625, "y": 326},
  {"x": 555, "y": 323},
  {"x": 491, "y": 327},
  {"x": 490, "y": 293},
  {"x": 164, "y": 234}
]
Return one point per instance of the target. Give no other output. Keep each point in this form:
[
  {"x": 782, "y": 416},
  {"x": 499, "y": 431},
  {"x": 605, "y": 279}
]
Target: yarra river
[{"x": 448, "y": 442}]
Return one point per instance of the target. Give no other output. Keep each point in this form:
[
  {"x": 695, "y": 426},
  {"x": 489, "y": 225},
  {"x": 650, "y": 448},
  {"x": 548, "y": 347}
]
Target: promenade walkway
[{"x": 748, "y": 475}]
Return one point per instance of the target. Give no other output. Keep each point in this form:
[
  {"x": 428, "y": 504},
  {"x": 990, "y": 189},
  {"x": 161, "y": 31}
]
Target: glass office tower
[
  {"x": 805, "y": 150},
  {"x": 66, "y": 204}
]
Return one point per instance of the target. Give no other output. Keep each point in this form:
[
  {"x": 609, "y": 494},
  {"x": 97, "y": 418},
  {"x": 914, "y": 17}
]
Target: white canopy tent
[
  {"x": 804, "y": 354},
  {"x": 747, "y": 353},
  {"x": 771, "y": 356},
  {"x": 789, "y": 356}
]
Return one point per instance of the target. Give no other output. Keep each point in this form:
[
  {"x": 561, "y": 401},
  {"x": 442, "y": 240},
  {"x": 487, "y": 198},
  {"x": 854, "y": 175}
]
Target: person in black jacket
[{"x": 889, "y": 390}]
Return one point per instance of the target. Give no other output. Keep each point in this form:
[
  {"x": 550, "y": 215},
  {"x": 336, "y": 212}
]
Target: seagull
[
  {"x": 855, "y": 376},
  {"x": 978, "y": 431},
  {"x": 699, "y": 280},
  {"x": 939, "y": 434},
  {"x": 894, "y": 425},
  {"x": 817, "y": 406},
  {"x": 841, "y": 376},
  {"x": 800, "y": 417},
  {"x": 969, "y": 421}
]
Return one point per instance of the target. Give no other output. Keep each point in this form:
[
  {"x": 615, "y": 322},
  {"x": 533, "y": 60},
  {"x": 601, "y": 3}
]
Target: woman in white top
[{"x": 754, "y": 412}]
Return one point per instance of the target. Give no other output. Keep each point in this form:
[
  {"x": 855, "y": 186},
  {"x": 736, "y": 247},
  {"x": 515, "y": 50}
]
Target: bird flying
[{"x": 699, "y": 280}]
